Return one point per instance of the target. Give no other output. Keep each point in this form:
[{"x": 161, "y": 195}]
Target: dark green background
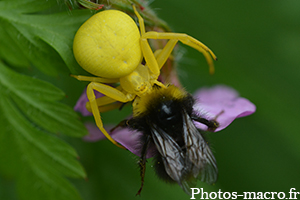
[{"x": 258, "y": 46}]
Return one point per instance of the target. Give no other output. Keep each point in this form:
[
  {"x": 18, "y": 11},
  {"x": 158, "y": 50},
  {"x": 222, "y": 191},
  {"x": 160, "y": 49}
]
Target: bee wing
[
  {"x": 203, "y": 163},
  {"x": 184, "y": 167},
  {"x": 172, "y": 155}
]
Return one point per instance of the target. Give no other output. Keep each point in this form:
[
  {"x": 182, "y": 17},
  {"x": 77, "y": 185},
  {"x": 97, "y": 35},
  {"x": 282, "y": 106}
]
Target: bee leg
[
  {"x": 211, "y": 124},
  {"x": 122, "y": 124},
  {"x": 126, "y": 123},
  {"x": 215, "y": 123},
  {"x": 142, "y": 163}
]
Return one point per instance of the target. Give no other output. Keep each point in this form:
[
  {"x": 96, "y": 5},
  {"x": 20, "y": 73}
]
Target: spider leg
[
  {"x": 110, "y": 92},
  {"x": 184, "y": 38},
  {"x": 156, "y": 60},
  {"x": 146, "y": 49},
  {"x": 105, "y": 104},
  {"x": 162, "y": 55},
  {"x": 150, "y": 59},
  {"x": 95, "y": 79},
  {"x": 153, "y": 62},
  {"x": 141, "y": 20},
  {"x": 110, "y": 107},
  {"x": 104, "y": 101}
]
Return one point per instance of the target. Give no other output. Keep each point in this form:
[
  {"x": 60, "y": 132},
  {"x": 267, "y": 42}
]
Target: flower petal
[
  {"x": 130, "y": 139},
  {"x": 80, "y": 104},
  {"x": 94, "y": 133},
  {"x": 223, "y": 103}
]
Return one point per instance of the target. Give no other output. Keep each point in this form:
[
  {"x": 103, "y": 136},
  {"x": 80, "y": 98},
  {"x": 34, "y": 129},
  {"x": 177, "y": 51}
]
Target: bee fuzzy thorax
[{"x": 142, "y": 105}]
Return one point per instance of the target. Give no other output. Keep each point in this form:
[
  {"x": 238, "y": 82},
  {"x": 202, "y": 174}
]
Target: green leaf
[
  {"x": 44, "y": 40},
  {"x": 37, "y": 99},
  {"x": 36, "y": 183},
  {"x": 29, "y": 113}
]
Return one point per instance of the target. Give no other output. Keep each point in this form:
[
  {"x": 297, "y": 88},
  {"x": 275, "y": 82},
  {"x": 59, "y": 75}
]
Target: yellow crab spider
[{"x": 110, "y": 46}]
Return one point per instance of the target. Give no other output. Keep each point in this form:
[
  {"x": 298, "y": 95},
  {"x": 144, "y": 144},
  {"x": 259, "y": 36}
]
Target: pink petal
[
  {"x": 80, "y": 104},
  {"x": 130, "y": 139},
  {"x": 223, "y": 101}
]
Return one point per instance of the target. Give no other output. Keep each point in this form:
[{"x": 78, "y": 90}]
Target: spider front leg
[
  {"x": 156, "y": 60},
  {"x": 105, "y": 104},
  {"x": 95, "y": 79},
  {"x": 110, "y": 92},
  {"x": 173, "y": 38},
  {"x": 148, "y": 54},
  {"x": 153, "y": 62}
]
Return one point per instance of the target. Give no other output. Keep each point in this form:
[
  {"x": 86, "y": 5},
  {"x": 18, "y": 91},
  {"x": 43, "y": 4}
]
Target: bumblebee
[{"x": 166, "y": 118}]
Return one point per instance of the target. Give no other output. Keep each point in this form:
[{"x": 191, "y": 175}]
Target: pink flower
[
  {"x": 223, "y": 103},
  {"x": 220, "y": 102},
  {"x": 80, "y": 104},
  {"x": 126, "y": 137}
]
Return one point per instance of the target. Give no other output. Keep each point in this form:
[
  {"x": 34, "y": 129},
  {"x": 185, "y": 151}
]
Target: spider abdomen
[{"x": 107, "y": 45}]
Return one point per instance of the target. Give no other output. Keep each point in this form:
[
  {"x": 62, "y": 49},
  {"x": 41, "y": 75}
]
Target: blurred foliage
[{"x": 256, "y": 42}]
